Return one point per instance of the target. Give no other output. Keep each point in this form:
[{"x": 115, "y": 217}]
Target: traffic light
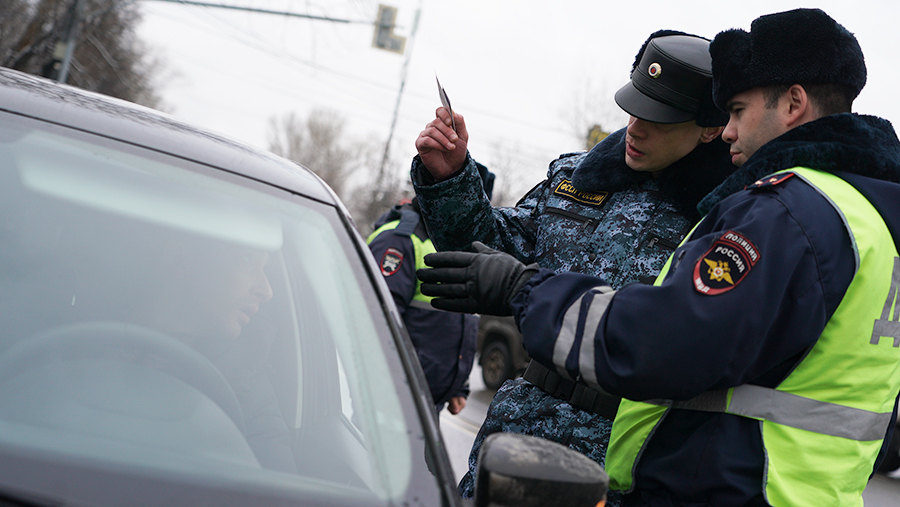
[{"x": 384, "y": 31}]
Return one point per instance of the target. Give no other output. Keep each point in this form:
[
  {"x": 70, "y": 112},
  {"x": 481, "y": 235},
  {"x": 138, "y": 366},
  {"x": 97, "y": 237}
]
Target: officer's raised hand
[
  {"x": 443, "y": 150},
  {"x": 482, "y": 282}
]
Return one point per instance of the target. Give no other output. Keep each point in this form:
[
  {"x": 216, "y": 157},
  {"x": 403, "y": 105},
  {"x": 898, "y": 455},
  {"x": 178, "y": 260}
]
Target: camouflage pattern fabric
[
  {"x": 622, "y": 229},
  {"x": 520, "y": 407},
  {"x": 622, "y": 236}
]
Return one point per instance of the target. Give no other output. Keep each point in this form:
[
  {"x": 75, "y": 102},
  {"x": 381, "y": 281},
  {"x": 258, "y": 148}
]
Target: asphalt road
[{"x": 459, "y": 432}]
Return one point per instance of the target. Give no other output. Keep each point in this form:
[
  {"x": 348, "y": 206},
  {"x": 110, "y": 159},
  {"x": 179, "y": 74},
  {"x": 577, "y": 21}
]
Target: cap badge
[{"x": 655, "y": 70}]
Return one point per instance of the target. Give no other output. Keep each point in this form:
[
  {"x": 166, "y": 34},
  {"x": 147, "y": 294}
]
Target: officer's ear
[
  {"x": 798, "y": 107},
  {"x": 710, "y": 133}
]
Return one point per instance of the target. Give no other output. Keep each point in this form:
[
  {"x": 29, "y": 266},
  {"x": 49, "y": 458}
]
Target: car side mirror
[{"x": 517, "y": 470}]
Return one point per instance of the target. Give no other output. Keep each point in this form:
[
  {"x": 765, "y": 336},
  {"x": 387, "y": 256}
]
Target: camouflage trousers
[{"x": 521, "y": 407}]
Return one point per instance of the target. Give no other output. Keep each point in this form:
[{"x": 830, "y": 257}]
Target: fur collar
[
  {"x": 685, "y": 182},
  {"x": 864, "y": 145}
]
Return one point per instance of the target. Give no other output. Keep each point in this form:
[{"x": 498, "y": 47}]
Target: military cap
[
  {"x": 801, "y": 46},
  {"x": 671, "y": 81}
]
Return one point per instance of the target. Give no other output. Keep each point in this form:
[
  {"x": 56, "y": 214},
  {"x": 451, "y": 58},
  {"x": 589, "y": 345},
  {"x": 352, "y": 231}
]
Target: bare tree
[
  {"x": 377, "y": 187},
  {"x": 318, "y": 142},
  {"x": 593, "y": 108},
  {"x": 108, "y": 57},
  {"x": 509, "y": 186}
]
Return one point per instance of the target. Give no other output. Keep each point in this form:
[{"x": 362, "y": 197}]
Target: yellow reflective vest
[
  {"x": 422, "y": 248},
  {"x": 823, "y": 425}
]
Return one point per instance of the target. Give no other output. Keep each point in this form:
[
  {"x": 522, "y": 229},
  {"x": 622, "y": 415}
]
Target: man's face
[
  {"x": 751, "y": 124},
  {"x": 229, "y": 287},
  {"x": 652, "y": 147}
]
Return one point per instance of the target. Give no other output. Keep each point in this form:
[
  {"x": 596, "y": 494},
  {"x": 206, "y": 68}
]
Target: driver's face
[{"x": 230, "y": 287}]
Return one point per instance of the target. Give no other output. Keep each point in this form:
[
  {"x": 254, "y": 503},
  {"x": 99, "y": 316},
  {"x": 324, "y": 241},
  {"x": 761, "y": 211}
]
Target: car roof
[{"x": 46, "y": 100}]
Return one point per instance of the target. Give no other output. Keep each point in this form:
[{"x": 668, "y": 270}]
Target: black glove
[{"x": 483, "y": 282}]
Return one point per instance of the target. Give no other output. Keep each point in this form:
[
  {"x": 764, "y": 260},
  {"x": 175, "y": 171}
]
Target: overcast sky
[{"x": 516, "y": 69}]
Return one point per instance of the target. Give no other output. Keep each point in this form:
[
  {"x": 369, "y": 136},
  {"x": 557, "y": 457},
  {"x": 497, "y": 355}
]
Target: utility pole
[
  {"x": 412, "y": 36},
  {"x": 58, "y": 69},
  {"x": 384, "y": 38}
]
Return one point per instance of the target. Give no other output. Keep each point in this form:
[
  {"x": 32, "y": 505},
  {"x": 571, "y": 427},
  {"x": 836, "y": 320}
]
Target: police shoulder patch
[
  {"x": 725, "y": 264},
  {"x": 391, "y": 261},
  {"x": 566, "y": 189}
]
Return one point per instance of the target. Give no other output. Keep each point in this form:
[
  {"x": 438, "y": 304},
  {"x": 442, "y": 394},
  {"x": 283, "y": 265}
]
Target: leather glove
[{"x": 483, "y": 282}]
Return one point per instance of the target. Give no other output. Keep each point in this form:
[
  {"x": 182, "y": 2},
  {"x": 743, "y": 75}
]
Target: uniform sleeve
[
  {"x": 457, "y": 212},
  {"x": 396, "y": 258},
  {"x": 742, "y": 302}
]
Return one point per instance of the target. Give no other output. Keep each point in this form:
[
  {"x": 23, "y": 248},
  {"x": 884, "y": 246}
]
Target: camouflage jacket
[{"x": 592, "y": 214}]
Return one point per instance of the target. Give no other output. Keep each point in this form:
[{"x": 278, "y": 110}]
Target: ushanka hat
[
  {"x": 802, "y": 46},
  {"x": 671, "y": 81}
]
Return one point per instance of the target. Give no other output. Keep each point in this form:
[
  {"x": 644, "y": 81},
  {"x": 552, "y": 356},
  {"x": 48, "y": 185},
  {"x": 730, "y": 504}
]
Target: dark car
[
  {"x": 500, "y": 351},
  {"x": 185, "y": 320},
  {"x": 188, "y": 321}
]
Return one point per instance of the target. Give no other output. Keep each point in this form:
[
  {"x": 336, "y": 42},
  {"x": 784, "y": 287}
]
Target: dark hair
[
  {"x": 826, "y": 98},
  {"x": 830, "y": 98},
  {"x": 773, "y": 93}
]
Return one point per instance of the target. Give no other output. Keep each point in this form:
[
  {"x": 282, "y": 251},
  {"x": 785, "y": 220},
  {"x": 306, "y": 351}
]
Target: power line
[
  {"x": 267, "y": 11},
  {"x": 264, "y": 46},
  {"x": 530, "y": 156}
]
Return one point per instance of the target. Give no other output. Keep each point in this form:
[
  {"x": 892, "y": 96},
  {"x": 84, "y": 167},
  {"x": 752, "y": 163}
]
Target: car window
[{"x": 176, "y": 320}]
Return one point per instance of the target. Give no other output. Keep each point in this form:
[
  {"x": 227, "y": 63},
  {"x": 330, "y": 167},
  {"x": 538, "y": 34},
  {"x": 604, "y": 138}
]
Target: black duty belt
[{"x": 576, "y": 393}]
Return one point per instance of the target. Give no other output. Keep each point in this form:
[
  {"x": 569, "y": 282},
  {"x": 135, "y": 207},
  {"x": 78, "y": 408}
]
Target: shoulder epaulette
[
  {"x": 770, "y": 181},
  {"x": 409, "y": 219}
]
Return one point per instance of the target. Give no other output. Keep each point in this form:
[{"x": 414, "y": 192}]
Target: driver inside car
[{"x": 206, "y": 293}]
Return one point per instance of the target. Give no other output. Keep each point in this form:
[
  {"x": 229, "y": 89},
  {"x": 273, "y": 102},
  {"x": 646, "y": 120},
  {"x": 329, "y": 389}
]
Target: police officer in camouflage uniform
[{"x": 617, "y": 212}]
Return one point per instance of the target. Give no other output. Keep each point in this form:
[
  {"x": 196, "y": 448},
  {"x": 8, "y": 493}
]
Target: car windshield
[{"x": 164, "y": 319}]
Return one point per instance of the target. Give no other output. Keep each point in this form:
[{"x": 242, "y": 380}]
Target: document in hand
[{"x": 445, "y": 101}]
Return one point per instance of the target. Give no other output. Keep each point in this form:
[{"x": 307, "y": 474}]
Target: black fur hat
[
  {"x": 681, "y": 90},
  {"x": 802, "y": 46}
]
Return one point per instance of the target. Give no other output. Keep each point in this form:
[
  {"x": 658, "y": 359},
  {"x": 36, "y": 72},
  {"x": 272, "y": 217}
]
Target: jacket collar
[
  {"x": 685, "y": 182},
  {"x": 864, "y": 145}
]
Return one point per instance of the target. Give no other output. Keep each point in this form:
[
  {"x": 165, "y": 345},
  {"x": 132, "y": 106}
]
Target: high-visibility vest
[
  {"x": 421, "y": 249},
  {"x": 823, "y": 426}
]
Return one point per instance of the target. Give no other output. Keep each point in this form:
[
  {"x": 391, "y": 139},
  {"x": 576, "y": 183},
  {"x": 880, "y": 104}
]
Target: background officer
[{"x": 444, "y": 342}]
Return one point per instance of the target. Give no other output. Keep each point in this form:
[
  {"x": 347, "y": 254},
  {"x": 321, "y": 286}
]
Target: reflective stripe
[
  {"x": 586, "y": 360},
  {"x": 887, "y": 328},
  {"x": 791, "y": 410},
  {"x": 884, "y": 326},
  {"x": 808, "y": 414},
  {"x": 565, "y": 340}
]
